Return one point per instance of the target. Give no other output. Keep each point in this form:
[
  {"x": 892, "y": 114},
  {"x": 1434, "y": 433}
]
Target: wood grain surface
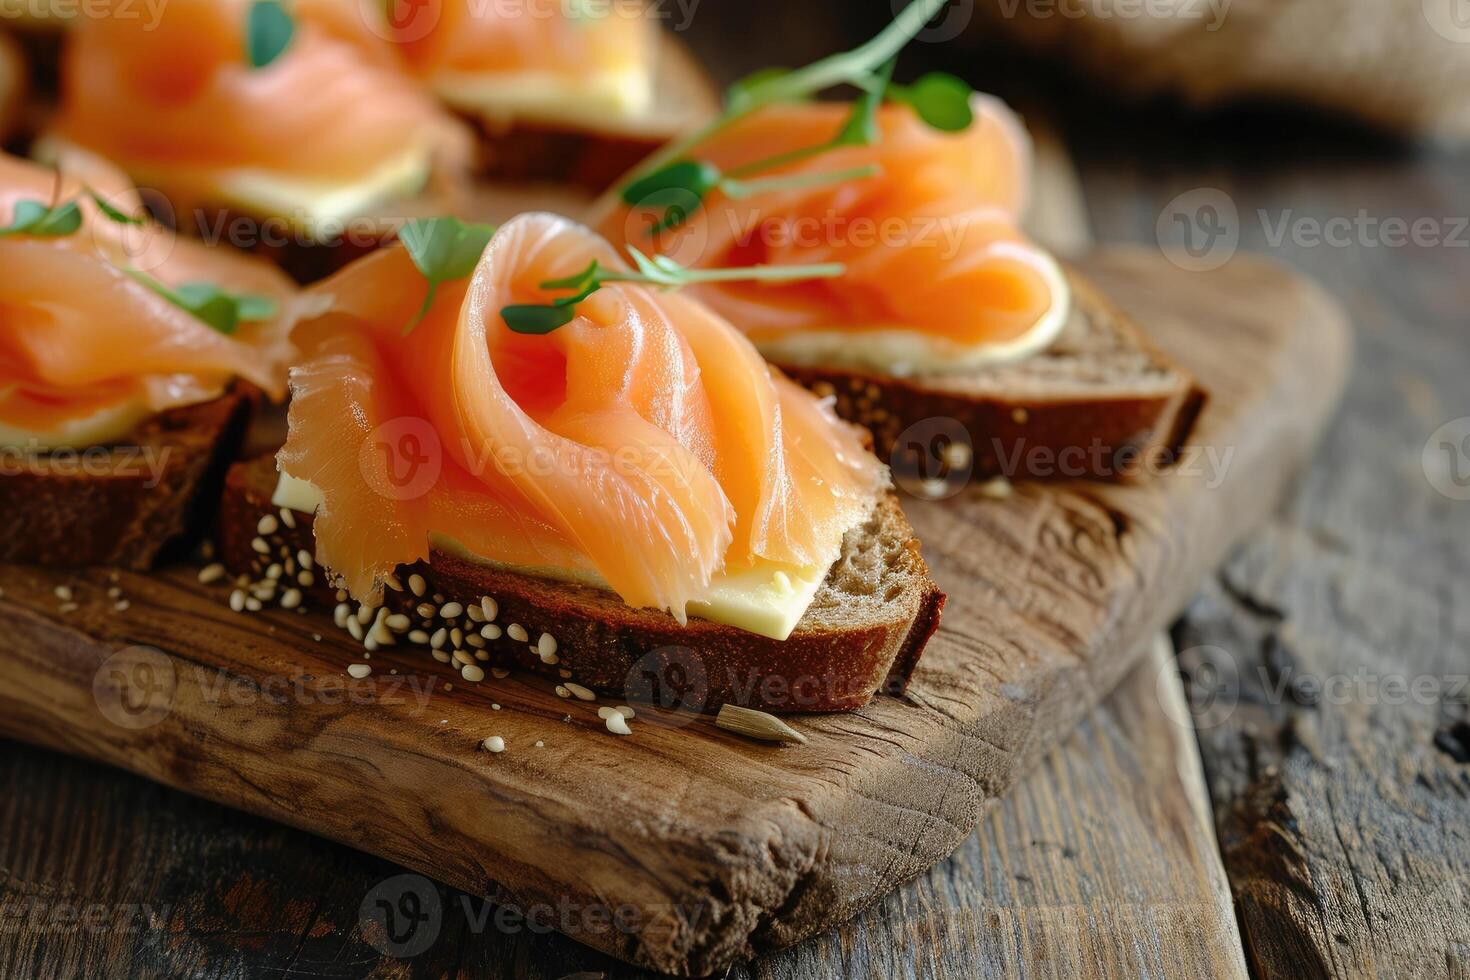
[{"x": 723, "y": 848}]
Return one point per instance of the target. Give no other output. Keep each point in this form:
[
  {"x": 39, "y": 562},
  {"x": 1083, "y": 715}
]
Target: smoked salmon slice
[
  {"x": 930, "y": 239},
  {"x": 457, "y": 45},
  {"x": 644, "y": 445},
  {"x": 178, "y": 104},
  {"x": 83, "y": 332}
]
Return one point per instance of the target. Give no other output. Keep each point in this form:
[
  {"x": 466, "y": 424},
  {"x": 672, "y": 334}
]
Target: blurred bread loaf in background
[{"x": 1401, "y": 65}]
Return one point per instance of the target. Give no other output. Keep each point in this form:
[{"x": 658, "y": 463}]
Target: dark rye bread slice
[
  {"x": 1100, "y": 403},
  {"x": 127, "y": 504},
  {"x": 863, "y": 633}
]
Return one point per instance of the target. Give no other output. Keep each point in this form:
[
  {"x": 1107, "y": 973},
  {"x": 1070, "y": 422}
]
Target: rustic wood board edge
[{"x": 739, "y": 848}]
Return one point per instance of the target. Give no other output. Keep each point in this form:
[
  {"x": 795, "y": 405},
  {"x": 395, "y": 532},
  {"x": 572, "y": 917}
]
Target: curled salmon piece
[
  {"x": 930, "y": 239},
  {"x": 461, "y": 46},
  {"x": 179, "y": 106},
  {"x": 645, "y": 445},
  {"x": 87, "y": 344}
]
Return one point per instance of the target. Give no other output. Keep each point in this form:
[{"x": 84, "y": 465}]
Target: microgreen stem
[{"x": 738, "y": 189}]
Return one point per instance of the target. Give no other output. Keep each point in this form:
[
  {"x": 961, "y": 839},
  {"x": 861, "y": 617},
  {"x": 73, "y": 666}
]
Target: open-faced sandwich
[
  {"x": 570, "y": 92},
  {"x": 128, "y": 364},
  {"x": 291, "y": 130},
  {"x": 579, "y": 483},
  {"x": 946, "y": 309}
]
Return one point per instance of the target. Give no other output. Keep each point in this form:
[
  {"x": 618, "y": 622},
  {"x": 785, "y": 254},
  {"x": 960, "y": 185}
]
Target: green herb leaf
[
  {"x": 43, "y": 220},
  {"x": 742, "y": 94},
  {"x": 112, "y": 213},
  {"x": 678, "y": 188},
  {"x": 268, "y": 32},
  {"x": 443, "y": 249},
  {"x": 941, "y": 100},
  {"x": 534, "y": 319},
  {"x": 220, "y": 309}
]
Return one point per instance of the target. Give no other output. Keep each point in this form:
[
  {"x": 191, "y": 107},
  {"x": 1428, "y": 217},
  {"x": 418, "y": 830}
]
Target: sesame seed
[
  {"x": 482, "y": 655},
  {"x": 318, "y": 638},
  {"x": 69, "y": 607},
  {"x": 437, "y": 640},
  {"x": 267, "y": 526},
  {"x": 359, "y": 671},
  {"x": 441, "y": 656},
  {"x": 580, "y": 693},
  {"x": 114, "y": 593},
  {"x": 418, "y": 636},
  {"x": 370, "y": 645},
  {"x": 493, "y": 744},
  {"x": 237, "y": 600},
  {"x": 354, "y": 627},
  {"x": 494, "y": 707},
  {"x": 122, "y": 605},
  {"x": 540, "y": 744},
  {"x": 63, "y": 592},
  {"x": 438, "y": 598},
  {"x": 340, "y": 614},
  {"x": 562, "y": 691},
  {"x": 546, "y": 648},
  {"x": 291, "y": 599},
  {"x": 517, "y": 632},
  {"x": 288, "y": 518},
  {"x": 305, "y": 579},
  {"x": 211, "y": 573},
  {"x": 398, "y": 622},
  {"x": 625, "y": 711},
  {"x": 617, "y": 724},
  {"x": 472, "y": 673},
  {"x": 476, "y": 614},
  {"x": 451, "y": 610},
  {"x": 273, "y": 573},
  {"x": 253, "y": 604},
  {"x": 564, "y": 673},
  {"x": 463, "y": 659},
  {"x": 260, "y": 546},
  {"x": 475, "y": 640},
  {"x": 417, "y": 585},
  {"x": 456, "y": 638},
  {"x": 499, "y": 673},
  {"x": 605, "y": 712},
  {"x": 393, "y": 583},
  {"x": 425, "y": 610},
  {"x": 490, "y": 608},
  {"x": 490, "y": 631},
  {"x": 304, "y": 559}
]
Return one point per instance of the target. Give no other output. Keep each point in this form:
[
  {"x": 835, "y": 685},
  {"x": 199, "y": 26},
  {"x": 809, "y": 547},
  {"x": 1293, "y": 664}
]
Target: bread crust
[
  {"x": 634, "y": 654},
  {"x": 1109, "y": 436},
  {"x": 128, "y": 504}
]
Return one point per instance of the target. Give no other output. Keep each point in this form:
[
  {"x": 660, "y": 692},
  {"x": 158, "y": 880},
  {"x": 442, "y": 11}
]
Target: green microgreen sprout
[
  {"x": 219, "y": 308},
  {"x": 659, "y": 270},
  {"x": 268, "y": 32},
  {"x": 443, "y": 249}
]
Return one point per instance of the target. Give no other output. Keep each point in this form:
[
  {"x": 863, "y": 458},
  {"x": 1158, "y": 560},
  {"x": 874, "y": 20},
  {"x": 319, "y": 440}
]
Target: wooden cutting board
[{"x": 683, "y": 847}]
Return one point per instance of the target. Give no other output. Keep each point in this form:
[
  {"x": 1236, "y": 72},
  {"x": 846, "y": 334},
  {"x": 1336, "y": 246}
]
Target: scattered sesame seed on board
[
  {"x": 499, "y": 673},
  {"x": 605, "y": 712},
  {"x": 253, "y": 604},
  {"x": 63, "y": 592},
  {"x": 540, "y": 744},
  {"x": 115, "y": 592},
  {"x": 211, "y": 573},
  {"x": 493, "y": 744},
  {"x": 562, "y": 691},
  {"x": 237, "y": 600},
  {"x": 122, "y": 605},
  {"x": 69, "y": 607},
  {"x": 617, "y": 724},
  {"x": 580, "y": 693},
  {"x": 359, "y": 671},
  {"x": 494, "y": 707},
  {"x": 626, "y": 711}
]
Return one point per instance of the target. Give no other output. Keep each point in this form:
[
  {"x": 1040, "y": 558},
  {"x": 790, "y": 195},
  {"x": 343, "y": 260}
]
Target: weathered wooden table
[{"x": 1313, "y": 820}]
